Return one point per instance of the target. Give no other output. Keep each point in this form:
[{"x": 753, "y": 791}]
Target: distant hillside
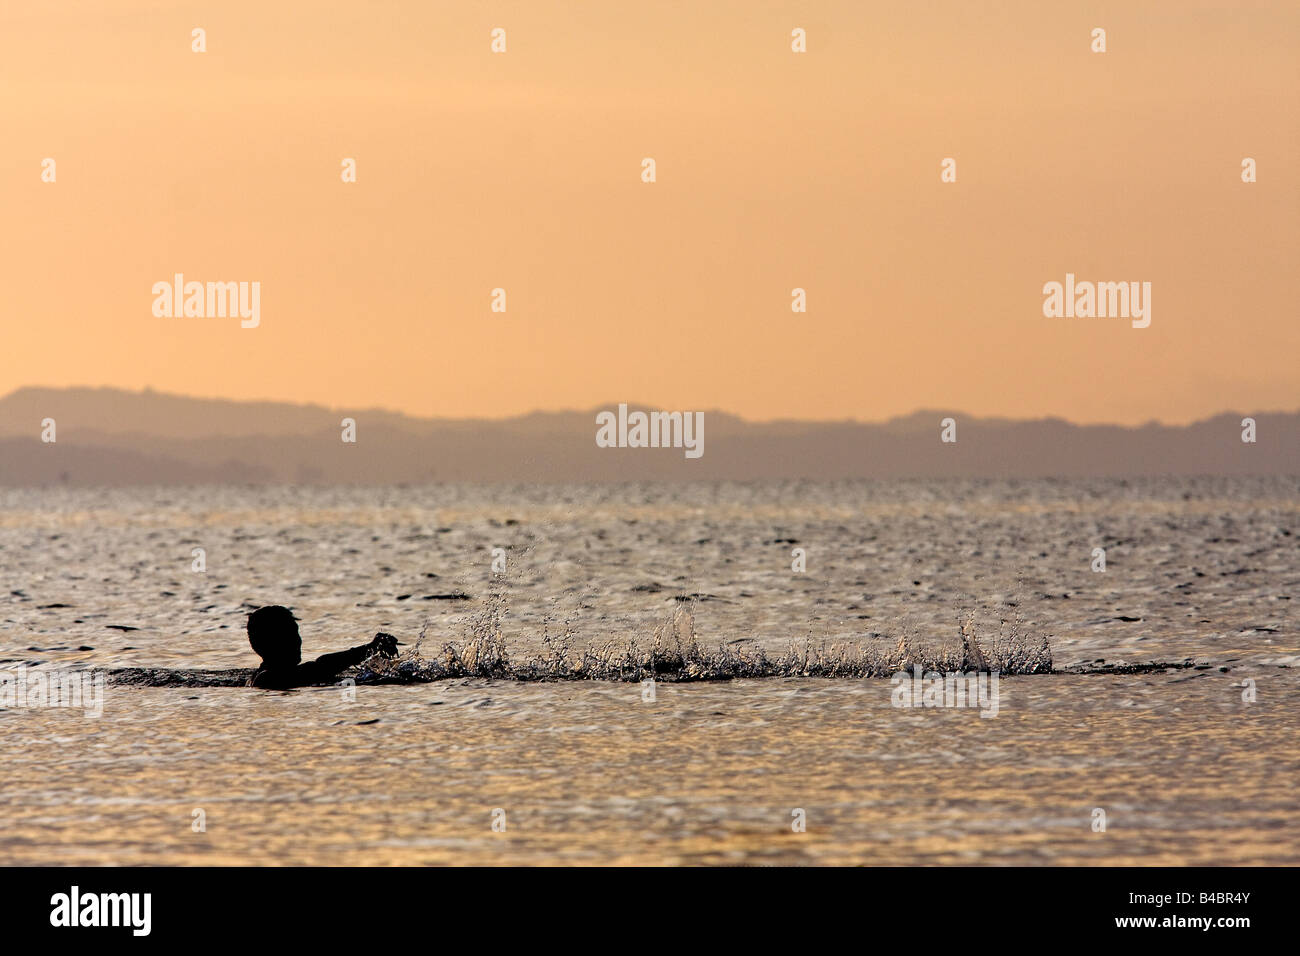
[{"x": 109, "y": 436}]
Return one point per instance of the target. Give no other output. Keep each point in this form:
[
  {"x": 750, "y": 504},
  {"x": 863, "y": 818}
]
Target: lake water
[{"x": 1184, "y": 768}]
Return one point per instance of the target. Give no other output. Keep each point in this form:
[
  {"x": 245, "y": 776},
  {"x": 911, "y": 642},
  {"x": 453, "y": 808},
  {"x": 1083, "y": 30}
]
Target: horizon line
[{"x": 848, "y": 420}]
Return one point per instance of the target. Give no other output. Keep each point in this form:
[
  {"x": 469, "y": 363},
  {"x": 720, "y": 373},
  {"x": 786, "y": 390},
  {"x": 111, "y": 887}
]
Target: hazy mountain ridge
[{"x": 111, "y": 436}]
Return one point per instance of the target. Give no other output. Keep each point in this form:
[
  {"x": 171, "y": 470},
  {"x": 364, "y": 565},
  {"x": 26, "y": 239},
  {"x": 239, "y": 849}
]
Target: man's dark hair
[{"x": 273, "y": 632}]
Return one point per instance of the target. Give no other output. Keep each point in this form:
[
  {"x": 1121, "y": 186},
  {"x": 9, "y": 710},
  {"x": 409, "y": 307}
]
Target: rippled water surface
[{"x": 590, "y": 772}]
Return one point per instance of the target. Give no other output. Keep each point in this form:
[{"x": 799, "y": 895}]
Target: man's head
[{"x": 273, "y": 632}]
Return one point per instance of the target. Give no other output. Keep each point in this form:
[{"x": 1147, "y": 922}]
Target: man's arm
[{"x": 328, "y": 666}]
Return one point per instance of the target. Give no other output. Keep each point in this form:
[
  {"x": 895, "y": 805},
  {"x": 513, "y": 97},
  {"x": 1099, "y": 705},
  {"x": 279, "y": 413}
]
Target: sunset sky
[{"x": 775, "y": 170}]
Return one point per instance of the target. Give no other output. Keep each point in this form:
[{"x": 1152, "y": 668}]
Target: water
[{"x": 590, "y": 772}]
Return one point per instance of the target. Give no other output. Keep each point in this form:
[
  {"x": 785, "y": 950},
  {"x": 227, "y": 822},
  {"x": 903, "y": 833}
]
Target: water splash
[{"x": 672, "y": 653}]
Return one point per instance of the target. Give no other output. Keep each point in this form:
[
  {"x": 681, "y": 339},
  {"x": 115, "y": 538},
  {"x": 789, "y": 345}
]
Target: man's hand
[{"x": 384, "y": 645}]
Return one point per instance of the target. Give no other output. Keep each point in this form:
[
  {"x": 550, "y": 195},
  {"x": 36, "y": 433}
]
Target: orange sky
[{"x": 775, "y": 170}]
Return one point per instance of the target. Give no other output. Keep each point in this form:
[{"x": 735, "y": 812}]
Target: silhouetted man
[{"x": 273, "y": 632}]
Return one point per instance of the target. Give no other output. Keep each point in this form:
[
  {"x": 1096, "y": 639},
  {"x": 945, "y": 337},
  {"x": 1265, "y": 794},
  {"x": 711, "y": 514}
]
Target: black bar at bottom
[{"x": 643, "y": 906}]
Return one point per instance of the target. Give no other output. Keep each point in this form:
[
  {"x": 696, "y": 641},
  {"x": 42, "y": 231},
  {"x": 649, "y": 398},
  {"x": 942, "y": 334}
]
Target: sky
[{"x": 775, "y": 170}]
